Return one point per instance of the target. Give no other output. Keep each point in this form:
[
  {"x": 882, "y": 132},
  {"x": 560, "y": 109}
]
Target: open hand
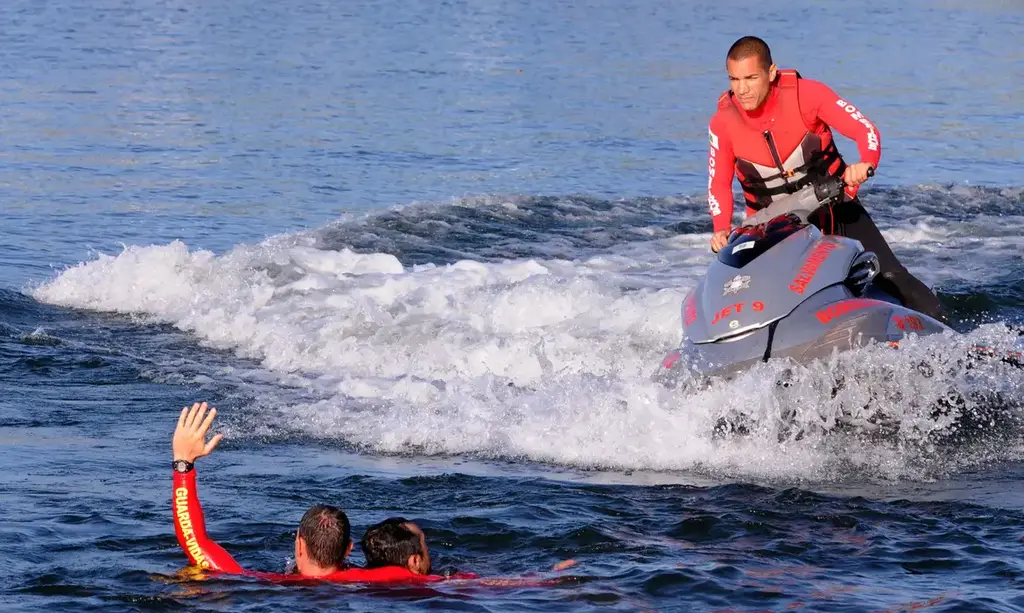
[{"x": 190, "y": 436}]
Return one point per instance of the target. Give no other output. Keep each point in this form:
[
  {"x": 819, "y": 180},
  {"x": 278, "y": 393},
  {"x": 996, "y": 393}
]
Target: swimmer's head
[
  {"x": 323, "y": 541},
  {"x": 396, "y": 542}
]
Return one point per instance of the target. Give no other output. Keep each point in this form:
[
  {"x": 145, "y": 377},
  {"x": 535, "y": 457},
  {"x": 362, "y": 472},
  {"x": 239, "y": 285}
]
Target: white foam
[{"x": 544, "y": 359}]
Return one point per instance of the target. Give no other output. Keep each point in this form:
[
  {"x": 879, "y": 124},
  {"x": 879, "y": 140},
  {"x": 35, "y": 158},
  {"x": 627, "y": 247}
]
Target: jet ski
[{"x": 781, "y": 289}]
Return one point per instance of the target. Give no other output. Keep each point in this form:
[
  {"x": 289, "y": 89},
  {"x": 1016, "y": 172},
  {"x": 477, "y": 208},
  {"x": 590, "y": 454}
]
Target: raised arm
[{"x": 189, "y": 526}]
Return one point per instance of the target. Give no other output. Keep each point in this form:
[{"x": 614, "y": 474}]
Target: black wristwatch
[{"x": 182, "y": 466}]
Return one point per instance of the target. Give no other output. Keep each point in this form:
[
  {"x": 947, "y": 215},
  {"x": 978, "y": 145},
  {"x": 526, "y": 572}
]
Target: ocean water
[{"x": 424, "y": 258}]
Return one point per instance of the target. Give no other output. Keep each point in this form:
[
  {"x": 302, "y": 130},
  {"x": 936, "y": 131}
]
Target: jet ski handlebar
[{"x": 803, "y": 202}]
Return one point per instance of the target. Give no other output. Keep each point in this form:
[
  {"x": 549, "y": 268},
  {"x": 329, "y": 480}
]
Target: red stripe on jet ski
[{"x": 839, "y": 309}]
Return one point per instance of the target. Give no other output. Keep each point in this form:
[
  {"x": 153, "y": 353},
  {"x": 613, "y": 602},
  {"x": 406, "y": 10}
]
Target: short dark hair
[
  {"x": 389, "y": 543},
  {"x": 751, "y": 46},
  {"x": 327, "y": 534}
]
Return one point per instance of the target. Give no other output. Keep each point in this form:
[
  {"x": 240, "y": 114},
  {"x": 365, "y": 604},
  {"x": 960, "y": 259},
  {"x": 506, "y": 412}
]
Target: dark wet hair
[
  {"x": 327, "y": 534},
  {"x": 751, "y": 46},
  {"x": 389, "y": 543}
]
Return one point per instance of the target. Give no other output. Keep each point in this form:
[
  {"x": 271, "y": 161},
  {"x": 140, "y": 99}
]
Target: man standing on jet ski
[{"x": 773, "y": 130}]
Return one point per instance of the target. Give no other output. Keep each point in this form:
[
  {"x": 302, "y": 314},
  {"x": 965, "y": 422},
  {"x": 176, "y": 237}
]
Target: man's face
[
  {"x": 419, "y": 563},
  {"x": 749, "y": 81}
]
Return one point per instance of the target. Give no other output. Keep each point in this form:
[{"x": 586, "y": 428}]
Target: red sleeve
[
  {"x": 386, "y": 574},
  {"x": 464, "y": 575},
  {"x": 839, "y": 114},
  {"x": 721, "y": 168},
  {"x": 190, "y": 528}
]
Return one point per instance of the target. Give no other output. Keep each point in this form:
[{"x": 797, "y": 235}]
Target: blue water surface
[{"x": 567, "y": 135}]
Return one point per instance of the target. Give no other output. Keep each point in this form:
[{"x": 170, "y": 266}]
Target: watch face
[{"x": 181, "y": 466}]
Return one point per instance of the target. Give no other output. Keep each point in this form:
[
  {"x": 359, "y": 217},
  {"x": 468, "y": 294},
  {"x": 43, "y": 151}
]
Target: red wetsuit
[
  {"x": 386, "y": 574},
  {"x": 771, "y": 147},
  {"x": 190, "y": 528},
  {"x": 203, "y": 552}
]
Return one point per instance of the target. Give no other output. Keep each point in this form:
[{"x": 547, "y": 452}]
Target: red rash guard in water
[
  {"x": 793, "y": 123},
  {"x": 190, "y": 528},
  {"x": 204, "y": 553}
]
